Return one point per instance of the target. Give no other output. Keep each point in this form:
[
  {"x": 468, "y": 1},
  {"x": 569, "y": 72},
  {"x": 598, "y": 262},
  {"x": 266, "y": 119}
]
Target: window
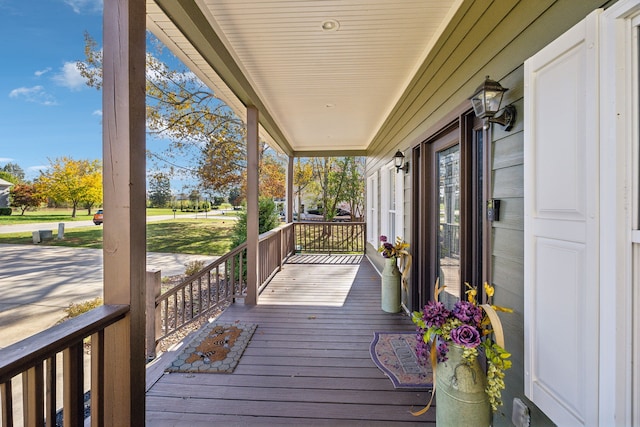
[
  {"x": 391, "y": 200},
  {"x": 372, "y": 209}
]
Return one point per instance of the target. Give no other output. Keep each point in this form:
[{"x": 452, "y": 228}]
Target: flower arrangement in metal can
[
  {"x": 475, "y": 327},
  {"x": 389, "y": 250}
]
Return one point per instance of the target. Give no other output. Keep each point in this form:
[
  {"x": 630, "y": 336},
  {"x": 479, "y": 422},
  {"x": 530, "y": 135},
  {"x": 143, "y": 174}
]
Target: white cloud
[
  {"x": 35, "y": 94},
  {"x": 85, "y": 6},
  {"x": 41, "y": 72},
  {"x": 37, "y": 168},
  {"x": 97, "y": 113},
  {"x": 6, "y": 159},
  {"x": 70, "y": 77}
]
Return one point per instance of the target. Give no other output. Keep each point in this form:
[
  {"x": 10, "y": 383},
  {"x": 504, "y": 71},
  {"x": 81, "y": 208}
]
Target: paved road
[{"x": 38, "y": 282}]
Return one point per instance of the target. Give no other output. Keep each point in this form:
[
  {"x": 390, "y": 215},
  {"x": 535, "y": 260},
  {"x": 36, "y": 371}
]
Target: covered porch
[{"x": 308, "y": 362}]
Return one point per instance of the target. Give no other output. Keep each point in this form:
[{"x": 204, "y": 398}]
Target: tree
[
  {"x": 335, "y": 181},
  {"x": 330, "y": 175},
  {"x": 272, "y": 177},
  {"x": 25, "y": 196},
  {"x": 73, "y": 181},
  {"x": 354, "y": 185},
  {"x": 159, "y": 190},
  {"x": 204, "y": 133},
  {"x": 15, "y": 170},
  {"x": 267, "y": 220},
  {"x": 235, "y": 197},
  {"x": 302, "y": 177},
  {"x": 9, "y": 177},
  {"x": 271, "y": 171}
]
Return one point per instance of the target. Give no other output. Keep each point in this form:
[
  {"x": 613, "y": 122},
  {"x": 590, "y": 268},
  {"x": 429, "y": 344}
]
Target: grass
[
  {"x": 64, "y": 215},
  {"x": 184, "y": 236}
]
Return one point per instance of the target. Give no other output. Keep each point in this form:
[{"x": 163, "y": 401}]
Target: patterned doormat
[
  {"x": 395, "y": 354},
  {"x": 216, "y": 349}
]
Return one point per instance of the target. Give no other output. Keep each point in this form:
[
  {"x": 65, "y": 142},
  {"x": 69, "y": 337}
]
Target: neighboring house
[
  {"x": 563, "y": 252},
  {"x": 5, "y": 187}
]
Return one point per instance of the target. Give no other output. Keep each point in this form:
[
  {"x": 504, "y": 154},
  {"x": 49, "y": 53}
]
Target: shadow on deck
[{"x": 308, "y": 362}]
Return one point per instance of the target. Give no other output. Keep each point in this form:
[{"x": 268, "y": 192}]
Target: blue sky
[{"x": 46, "y": 110}]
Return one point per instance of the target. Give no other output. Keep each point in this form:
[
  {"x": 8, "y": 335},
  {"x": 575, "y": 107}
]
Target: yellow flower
[{"x": 488, "y": 289}]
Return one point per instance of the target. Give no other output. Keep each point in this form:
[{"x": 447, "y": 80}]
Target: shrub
[
  {"x": 267, "y": 220},
  {"x": 76, "y": 309},
  {"x": 193, "y": 267},
  {"x": 5, "y": 211}
]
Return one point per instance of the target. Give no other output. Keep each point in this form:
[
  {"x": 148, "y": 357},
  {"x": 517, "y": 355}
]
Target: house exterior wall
[
  {"x": 5, "y": 188},
  {"x": 485, "y": 39}
]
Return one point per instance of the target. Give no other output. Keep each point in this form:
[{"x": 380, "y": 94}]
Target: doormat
[
  {"x": 395, "y": 354},
  {"x": 216, "y": 349}
]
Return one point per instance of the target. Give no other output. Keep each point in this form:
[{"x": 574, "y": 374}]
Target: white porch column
[
  {"x": 290, "y": 194},
  {"x": 124, "y": 242},
  {"x": 252, "y": 206}
]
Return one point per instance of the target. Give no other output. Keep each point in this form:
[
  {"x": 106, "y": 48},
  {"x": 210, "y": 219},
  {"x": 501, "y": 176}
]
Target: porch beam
[
  {"x": 124, "y": 242},
  {"x": 252, "y": 206}
]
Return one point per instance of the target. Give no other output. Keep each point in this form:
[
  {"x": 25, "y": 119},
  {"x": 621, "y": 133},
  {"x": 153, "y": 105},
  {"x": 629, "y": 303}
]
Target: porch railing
[
  {"x": 35, "y": 359},
  {"x": 330, "y": 237},
  {"x": 222, "y": 281}
]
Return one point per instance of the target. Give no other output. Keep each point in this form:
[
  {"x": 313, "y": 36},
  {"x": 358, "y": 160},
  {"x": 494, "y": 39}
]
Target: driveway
[{"x": 38, "y": 282}]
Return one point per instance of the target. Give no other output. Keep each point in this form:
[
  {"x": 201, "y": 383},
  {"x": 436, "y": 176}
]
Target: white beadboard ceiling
[{"x": 316, "y": 90}]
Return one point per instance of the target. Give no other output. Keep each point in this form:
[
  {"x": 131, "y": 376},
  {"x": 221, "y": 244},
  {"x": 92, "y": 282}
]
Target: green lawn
[
  {"x": 64, "y": 215},
  {"x": 185, "y": 236}
]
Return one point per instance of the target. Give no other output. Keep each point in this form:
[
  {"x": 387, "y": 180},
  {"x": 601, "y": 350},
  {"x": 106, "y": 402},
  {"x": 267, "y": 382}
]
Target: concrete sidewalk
[{"x": 38, "y": 282}]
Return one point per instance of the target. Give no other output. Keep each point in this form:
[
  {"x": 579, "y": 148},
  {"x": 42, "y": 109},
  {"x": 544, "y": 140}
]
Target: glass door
[
  {"x": 448, "y": 228},
  {"x": 449, "y": 188}
]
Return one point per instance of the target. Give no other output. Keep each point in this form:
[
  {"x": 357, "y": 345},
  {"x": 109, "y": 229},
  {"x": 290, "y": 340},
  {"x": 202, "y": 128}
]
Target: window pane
[{"x": 449, "y": 223}]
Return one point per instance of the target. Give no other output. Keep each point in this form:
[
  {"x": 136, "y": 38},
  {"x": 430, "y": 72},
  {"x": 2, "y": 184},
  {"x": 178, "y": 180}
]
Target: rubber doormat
[
  {"x": 395, "y": 354},
  {"x": 216, "y": 349}
]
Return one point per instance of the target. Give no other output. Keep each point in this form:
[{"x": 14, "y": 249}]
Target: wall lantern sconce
[
  {"x": 486, "y": 103},
  {"x": 400, "y": 163}
]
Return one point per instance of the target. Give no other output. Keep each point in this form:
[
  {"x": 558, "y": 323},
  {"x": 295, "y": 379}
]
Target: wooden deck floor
[{"x": 307, "y": 363}]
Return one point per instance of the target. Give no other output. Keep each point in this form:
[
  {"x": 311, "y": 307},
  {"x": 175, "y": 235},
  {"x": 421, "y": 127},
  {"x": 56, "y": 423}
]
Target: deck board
[{"x": 308, "y": 362}]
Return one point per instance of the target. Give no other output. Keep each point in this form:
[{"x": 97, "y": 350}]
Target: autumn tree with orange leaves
[{"x": 206, "y": 139}]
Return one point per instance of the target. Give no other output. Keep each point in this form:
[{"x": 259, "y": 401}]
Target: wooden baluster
[
  {"x": 6, "y": 402},
  {"x": 33, "y": 396},
  {"x": 73, "y": 389},
  {"x": 50, "y": 406},
  {"x": 97, "y": 379}
]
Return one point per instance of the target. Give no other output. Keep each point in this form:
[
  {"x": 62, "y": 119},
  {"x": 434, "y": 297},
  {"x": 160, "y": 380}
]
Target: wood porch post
[
  {"x": 252, "y": 206},
  {"x": 290, "y": 194},
  {"x": 124, "y": 242}
]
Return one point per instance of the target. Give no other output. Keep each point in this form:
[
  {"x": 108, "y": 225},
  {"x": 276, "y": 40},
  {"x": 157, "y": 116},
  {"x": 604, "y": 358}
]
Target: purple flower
[
  {"x": 422, "y": 348},
  {"x": 383, "y": 238},
  {"x": 442, "y": 349},
  {"x": 435, "y": 314},
  {"x": 466, "y": 335},
  {"x": 467, "y": 312}
]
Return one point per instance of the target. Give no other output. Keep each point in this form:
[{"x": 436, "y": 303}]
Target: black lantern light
[
  {"x": 400, "y": 163},
  {"x": 486, "y": 103}
]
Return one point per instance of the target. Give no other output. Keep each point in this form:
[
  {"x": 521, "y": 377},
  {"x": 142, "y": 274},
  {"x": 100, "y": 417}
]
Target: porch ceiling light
[
  {"x": 330, "y": 25},
  {"x": 486, "y": 103},
  {"x": 400, "y": 163}
]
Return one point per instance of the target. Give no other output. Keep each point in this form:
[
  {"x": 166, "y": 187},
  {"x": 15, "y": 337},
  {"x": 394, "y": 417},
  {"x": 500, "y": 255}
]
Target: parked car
[{"x": 97, "y": 217}]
